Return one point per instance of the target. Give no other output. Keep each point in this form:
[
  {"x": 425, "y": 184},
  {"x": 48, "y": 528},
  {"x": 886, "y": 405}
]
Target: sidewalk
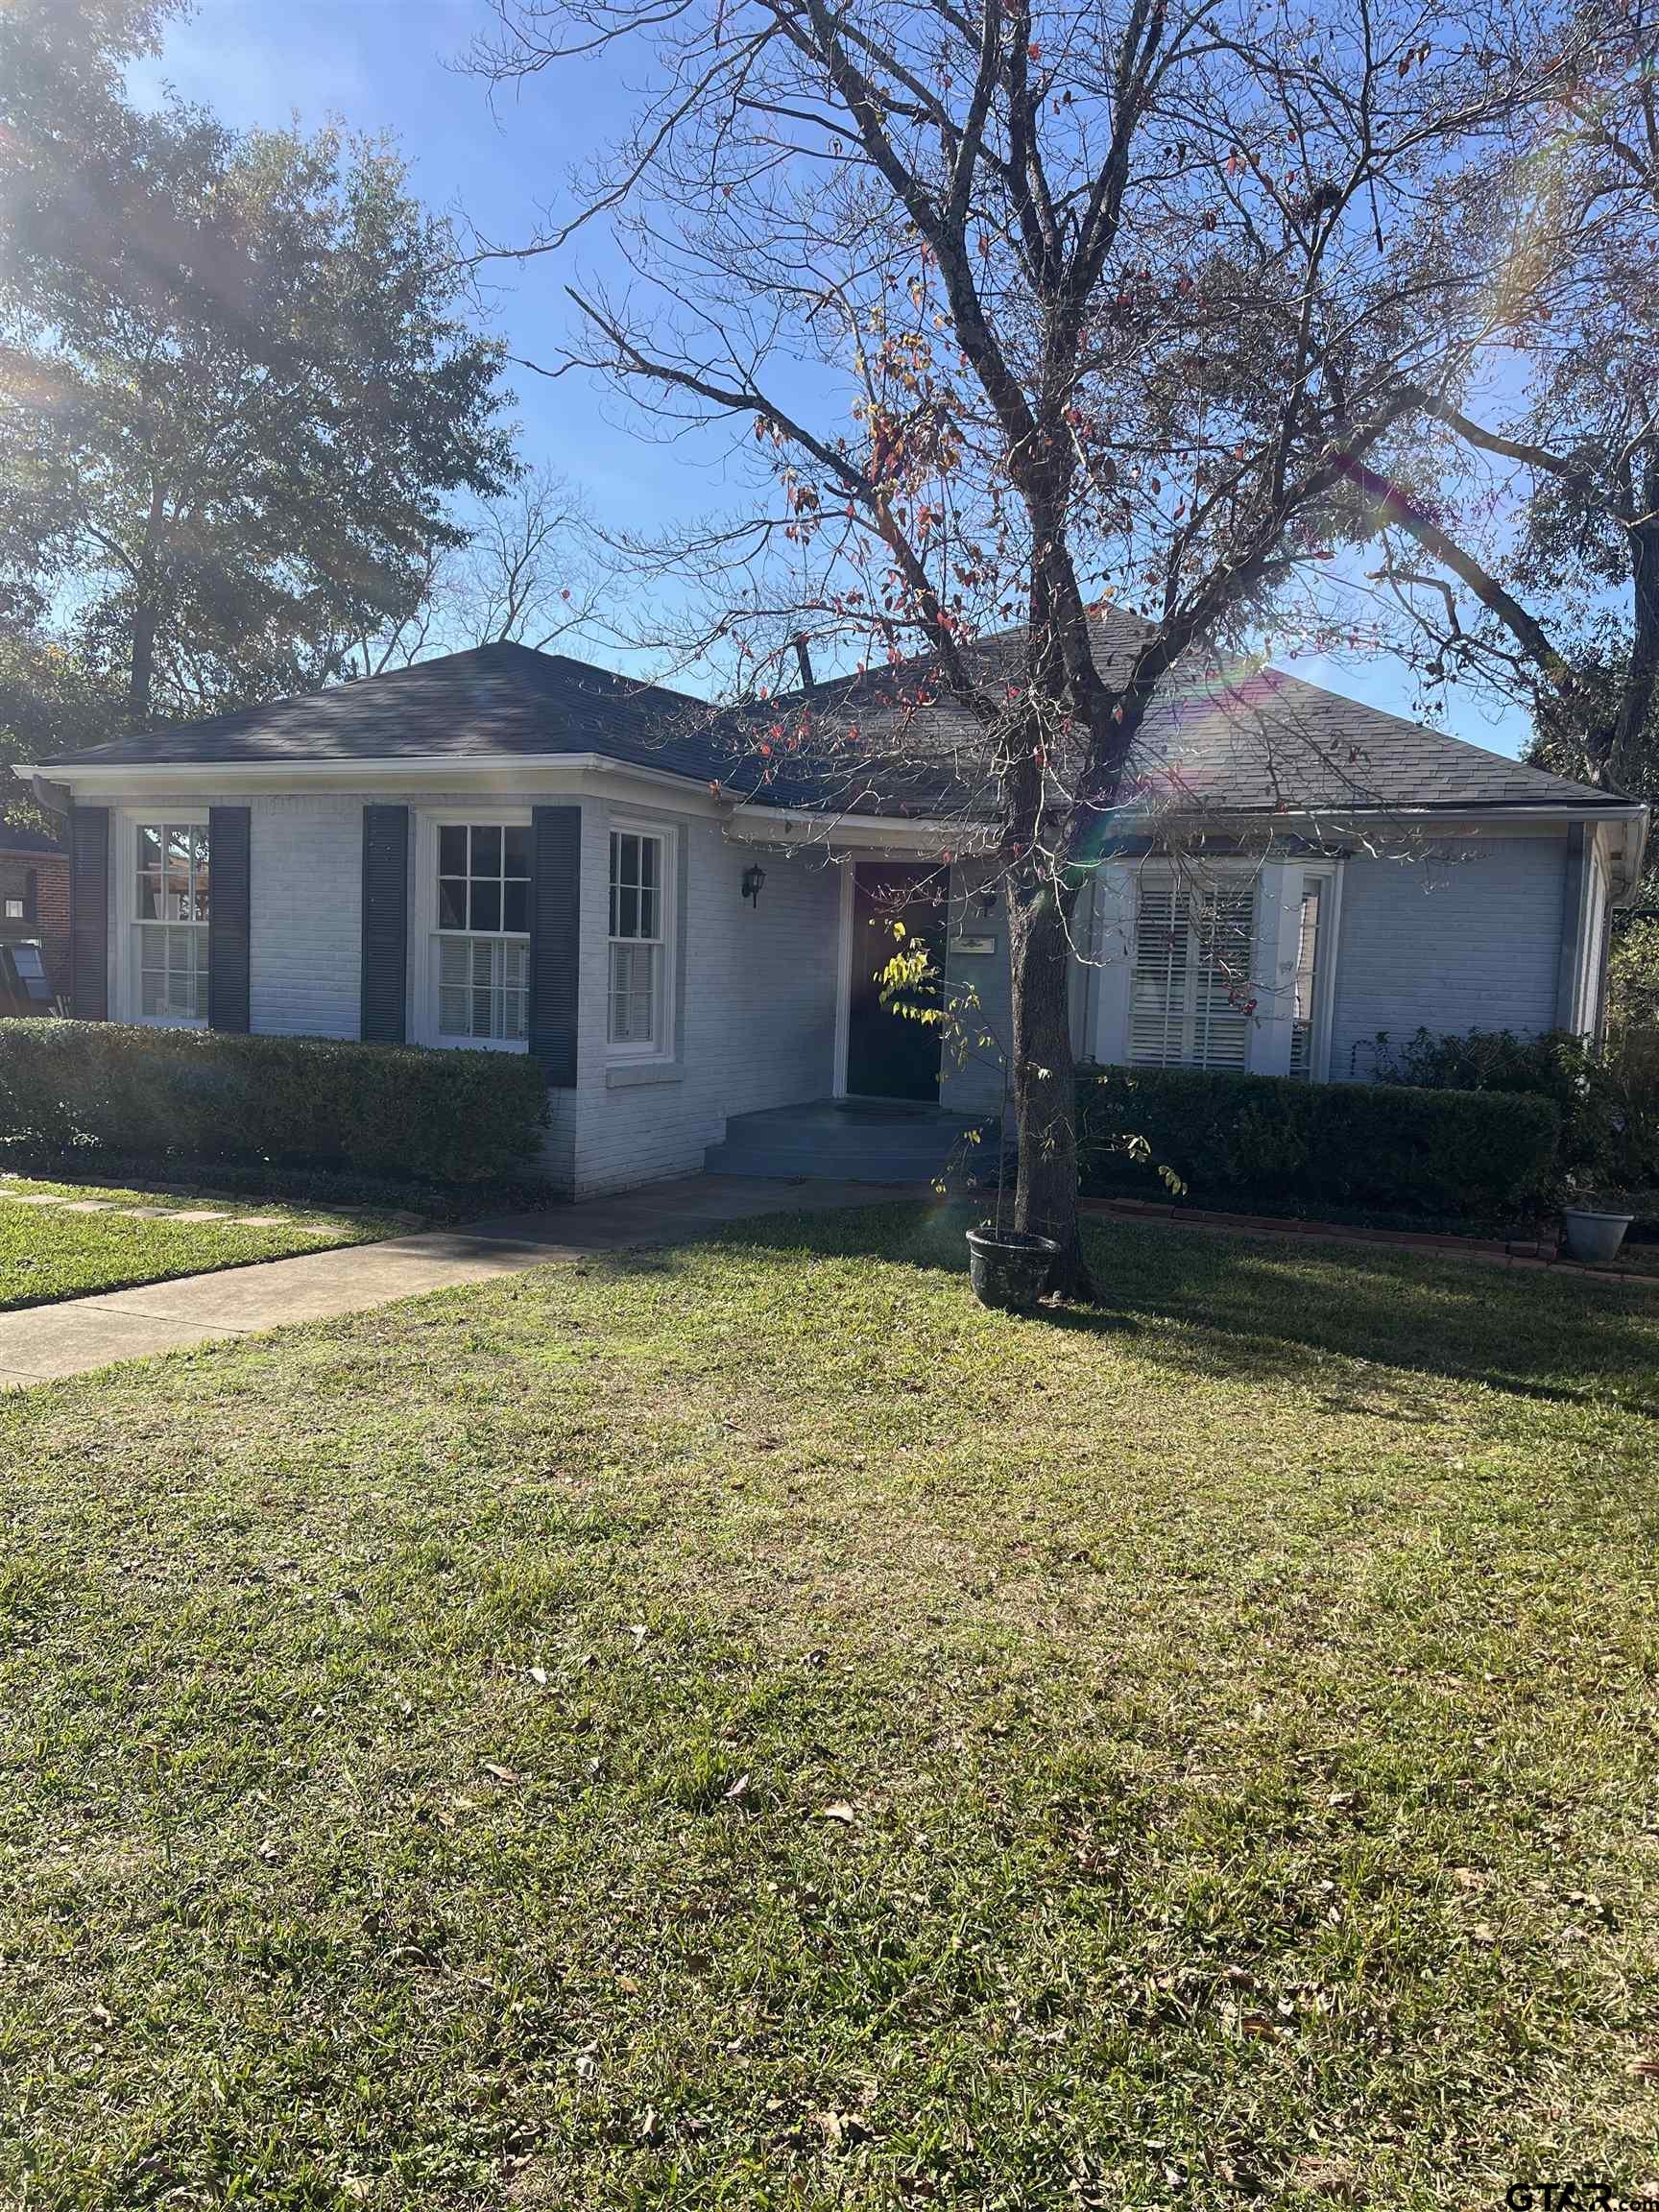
[{"x": 41, "y": 1342}]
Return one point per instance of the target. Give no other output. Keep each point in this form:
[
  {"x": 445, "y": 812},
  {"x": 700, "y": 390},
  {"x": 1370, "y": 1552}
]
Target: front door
[{"x": 889, "y": 1054}]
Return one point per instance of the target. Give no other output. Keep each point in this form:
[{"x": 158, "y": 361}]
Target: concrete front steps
[{"x": 840, "y": 1142}]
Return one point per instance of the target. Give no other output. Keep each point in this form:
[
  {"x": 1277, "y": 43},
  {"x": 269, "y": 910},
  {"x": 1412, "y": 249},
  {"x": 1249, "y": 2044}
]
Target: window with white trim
[
  {"x": 481, "y": 946},
  {"x": 638, "y": 944},
  {"x": 14, "y": 910},
  {"x": 1190, "y": 999},
  {"x": 169, "y": 948},
  {"x": 1304, "y": 1007}
]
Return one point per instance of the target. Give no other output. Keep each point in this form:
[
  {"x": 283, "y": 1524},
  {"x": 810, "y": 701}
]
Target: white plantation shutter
[
  {"x": 173, "y": 973},
  {"x": 483, "y": 987},
  {"x": 1158, "y": 982},
  {"x": 1189, "y": 986},
  {"x": 1305, "y": 1001}
]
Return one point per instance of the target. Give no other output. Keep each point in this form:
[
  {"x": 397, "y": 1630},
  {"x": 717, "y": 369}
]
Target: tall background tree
[
  {"x": 240, "y": 386},
  {"x": 1523, "y": 551},
  {"x": 1018, "y": 310}
]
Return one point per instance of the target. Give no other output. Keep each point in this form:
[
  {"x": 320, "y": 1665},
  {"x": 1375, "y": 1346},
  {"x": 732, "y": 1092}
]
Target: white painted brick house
[{"x": 513, "y": 851}]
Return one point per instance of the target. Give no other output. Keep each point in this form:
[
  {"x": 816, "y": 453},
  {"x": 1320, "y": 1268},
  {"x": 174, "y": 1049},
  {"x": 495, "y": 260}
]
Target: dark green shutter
[
  {"x": 385, "y": 923},
  {"x": 229, "y": 910},
  {"x": 89, "y": 913},
  {"x": 555, "y": 938}
]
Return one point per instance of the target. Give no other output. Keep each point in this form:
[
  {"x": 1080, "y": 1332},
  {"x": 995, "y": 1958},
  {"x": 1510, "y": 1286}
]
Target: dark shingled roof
[
  {"x": 1245, "y": 739},
  {"x": 494, "y": 701}
]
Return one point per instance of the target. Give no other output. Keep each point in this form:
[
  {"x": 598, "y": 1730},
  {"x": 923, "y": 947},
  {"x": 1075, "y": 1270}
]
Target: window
[
  {"x": 169, "y": 920},
  {"x": 638, "y": 1014},
  {"x": 1304, "y": 1009},
  {"x": 481, "y": 963},
  {"x": 14, "y": 910},
  {"x": 1190, "y": 999}
]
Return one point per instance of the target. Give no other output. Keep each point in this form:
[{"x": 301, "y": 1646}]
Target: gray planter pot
[
  {"x": 1008, "y": 1268},
  {"x": 1594, "y": 1238}
]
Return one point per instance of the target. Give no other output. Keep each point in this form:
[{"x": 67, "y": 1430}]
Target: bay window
[
  {"x": 638, "y": 1023},
  {"x": 169, "y": 926},
  {"x": 481, "y": 944}
]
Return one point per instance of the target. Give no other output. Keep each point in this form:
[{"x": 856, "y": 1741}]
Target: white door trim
[{"x": 843, "y": 977}]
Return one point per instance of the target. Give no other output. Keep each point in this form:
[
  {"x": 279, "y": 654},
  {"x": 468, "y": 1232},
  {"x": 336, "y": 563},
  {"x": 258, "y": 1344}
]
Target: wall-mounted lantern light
[
  {"x": 986, "y": 897},
  {"x": 754, "y": 879}
]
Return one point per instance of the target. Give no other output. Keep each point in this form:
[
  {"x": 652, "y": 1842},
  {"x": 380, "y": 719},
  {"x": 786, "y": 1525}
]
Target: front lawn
[
  {"x": 741, "y": 1727},
  {"x": 51, "y": 1250}
]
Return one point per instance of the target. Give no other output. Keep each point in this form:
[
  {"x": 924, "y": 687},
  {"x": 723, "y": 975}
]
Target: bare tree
[
  {"x": 531, "y": 573},
  {"x": 1018, "y": 312},
  {"x": 1533, "y": 566}
]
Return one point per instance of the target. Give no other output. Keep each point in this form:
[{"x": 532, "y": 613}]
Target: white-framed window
[
  {"x": 1192, "y": 1002},
  {"x": 14, "y": 910},
  {"x": 479, "y": 971},
  {"x": 640, "y": 1023},
  {"x": 1313, "y": 902},
  {"x": 168, "y": 881}
]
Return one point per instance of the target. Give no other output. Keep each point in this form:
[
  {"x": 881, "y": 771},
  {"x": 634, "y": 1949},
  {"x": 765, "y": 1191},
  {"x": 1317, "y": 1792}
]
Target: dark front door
[{"x": 890, "y": 1055}]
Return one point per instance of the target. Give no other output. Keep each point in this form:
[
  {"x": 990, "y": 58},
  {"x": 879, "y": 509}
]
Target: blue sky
[{"x": 390, "y": 65}]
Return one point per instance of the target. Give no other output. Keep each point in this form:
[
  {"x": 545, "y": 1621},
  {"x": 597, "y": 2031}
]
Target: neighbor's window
[
  {"x": 637, "y": 986},
  {"x": 1190, "y": 999},
  {"x": 169, "y": 920},
  {"x": 14, "y": 910},
  {"x": 482, "y": 944}
]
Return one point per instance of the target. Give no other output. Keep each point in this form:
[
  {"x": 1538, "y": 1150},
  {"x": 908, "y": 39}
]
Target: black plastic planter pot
[{"x": 1008, "y": 1268}]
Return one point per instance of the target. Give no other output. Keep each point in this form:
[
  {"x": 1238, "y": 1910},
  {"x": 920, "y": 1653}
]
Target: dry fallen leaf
[
  {"x": 538, "y": 1674},
  {"x": 838, "y": 1810},
  {"x": 500, "y": 1772},
  {"x": 738, "y": 1789}
]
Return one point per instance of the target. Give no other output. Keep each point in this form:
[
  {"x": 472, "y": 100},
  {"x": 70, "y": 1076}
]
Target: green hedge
[
  {"x": 205, "y": 1095},
  {"x": 1254, "y": 1138}
]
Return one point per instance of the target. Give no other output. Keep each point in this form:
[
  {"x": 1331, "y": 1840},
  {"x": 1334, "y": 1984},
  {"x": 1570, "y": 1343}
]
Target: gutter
[{"x": 345, "y": 773}]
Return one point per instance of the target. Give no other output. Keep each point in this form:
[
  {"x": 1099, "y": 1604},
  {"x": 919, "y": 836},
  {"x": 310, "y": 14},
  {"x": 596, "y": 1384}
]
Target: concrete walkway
[{"x": 41, "y": 1342}]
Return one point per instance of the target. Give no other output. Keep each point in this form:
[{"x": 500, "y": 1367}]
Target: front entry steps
[{"x": 855, "y": 1141}]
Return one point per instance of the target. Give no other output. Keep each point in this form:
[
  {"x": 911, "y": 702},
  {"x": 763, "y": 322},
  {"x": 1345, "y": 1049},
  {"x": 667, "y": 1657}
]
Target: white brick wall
[
  {"x": 305, "y": 924},
  {"x": 757, "y": 1001},
  {"x": 1470, "y": 940}
]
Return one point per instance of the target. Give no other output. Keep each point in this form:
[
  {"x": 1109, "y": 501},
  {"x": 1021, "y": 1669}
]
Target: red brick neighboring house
[{"x": 35, "y": 896}]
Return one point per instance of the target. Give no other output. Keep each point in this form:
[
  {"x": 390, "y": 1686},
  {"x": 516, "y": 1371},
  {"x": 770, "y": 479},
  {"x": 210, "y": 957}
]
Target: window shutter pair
[
  {"x": 228, "y": 911},
  {"x": 554, "y": 908}
]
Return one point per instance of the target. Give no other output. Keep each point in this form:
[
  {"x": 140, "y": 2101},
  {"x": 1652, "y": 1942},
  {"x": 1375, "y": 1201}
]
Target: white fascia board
[
  {"x": 855, "y": 833},
  {"x": 1334, "y": 822},
  {"x": 523, "y": 774}
]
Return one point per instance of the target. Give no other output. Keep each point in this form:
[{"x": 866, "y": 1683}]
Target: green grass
[
  {"x": 742, "y": 1727},
  {"x": 47, "y": 1253}
]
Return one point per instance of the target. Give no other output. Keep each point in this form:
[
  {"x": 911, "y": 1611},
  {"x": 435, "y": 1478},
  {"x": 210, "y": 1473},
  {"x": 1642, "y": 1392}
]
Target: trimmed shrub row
[
  {"x": 206, "y": 1095},
  {"x": 1256, "y": 1138},
  {"x": 1607, "y": 1095}
]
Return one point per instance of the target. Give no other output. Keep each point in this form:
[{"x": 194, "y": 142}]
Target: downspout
[{"x": 51, "y": 798}]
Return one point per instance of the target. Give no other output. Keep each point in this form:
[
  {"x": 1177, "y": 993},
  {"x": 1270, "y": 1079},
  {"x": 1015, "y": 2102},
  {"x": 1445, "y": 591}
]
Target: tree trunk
[
  {"x": 143, "y": 667},
  {"x": 1642, "y": 671},
  {"x": 1044, "y": 1084}
]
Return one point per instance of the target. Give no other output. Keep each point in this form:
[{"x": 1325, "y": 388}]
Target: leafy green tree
[{"x": 240, "y": 390}]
